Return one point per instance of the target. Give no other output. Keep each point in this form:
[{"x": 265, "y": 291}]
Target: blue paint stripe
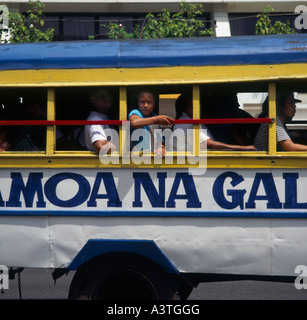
[
  {"x": 278, "y": 49},
  {"x": 194, "y": 214},
  {"x": 145, "y": 248}
]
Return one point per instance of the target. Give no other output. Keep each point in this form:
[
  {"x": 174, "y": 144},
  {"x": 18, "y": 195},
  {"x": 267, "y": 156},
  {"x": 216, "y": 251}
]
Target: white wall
[{"x": 147, "y": 6}]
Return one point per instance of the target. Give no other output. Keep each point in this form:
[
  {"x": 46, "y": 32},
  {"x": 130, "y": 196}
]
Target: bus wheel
[{"x": 121, "y": 277}]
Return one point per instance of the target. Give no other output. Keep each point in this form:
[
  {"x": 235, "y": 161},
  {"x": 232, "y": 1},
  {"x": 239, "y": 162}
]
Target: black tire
[{"x": 121, "y": 277}]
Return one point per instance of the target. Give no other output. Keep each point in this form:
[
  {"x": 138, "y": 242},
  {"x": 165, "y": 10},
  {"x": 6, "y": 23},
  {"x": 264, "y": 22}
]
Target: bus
[{"x": 149, "y": 227}]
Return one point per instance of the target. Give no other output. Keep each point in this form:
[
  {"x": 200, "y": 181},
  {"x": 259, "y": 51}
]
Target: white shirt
[
  {"x": 183, "y": 141},
  {"x": 96, "y": 132}
]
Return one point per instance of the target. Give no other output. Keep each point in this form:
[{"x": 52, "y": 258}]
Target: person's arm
[
  {"x": 289, "y": 145},
  {"x": 138, "y": 122},
  {"x": 105, "y": 145},
  {"x": 212, "y": 144}
]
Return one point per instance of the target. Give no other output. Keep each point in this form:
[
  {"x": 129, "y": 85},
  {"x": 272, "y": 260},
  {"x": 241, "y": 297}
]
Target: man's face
[{"x": 102, "y": 103}]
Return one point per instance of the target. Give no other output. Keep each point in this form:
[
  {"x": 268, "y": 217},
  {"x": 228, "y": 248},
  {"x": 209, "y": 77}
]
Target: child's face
[{"x": 146, "y": 103}]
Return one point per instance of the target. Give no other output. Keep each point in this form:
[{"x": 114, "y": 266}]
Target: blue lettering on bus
[
  {"x": 77, "y": 199},
  {"x": 227, "y": 198},
  {"x": 2, "y": 203},
  {"x": 157, "y": 199},
  {"x": 111, "y": 191},
  {"x": 270, "y": 196},
  {"x": 189, "y": 188},
  {"x": 33, "y": 186},
  {"x": 291, "y": 192},
  {"x": 236, "y": 195}
]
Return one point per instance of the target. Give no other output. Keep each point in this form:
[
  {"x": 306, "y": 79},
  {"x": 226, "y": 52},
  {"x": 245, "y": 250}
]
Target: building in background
[{"x": 76, "y": 20}]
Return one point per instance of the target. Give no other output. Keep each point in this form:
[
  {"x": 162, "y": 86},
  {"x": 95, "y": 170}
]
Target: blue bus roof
[{"x": 155, "y": 53}]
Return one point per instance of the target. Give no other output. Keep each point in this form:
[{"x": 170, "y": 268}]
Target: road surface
[{"x": 37, "y": 284}]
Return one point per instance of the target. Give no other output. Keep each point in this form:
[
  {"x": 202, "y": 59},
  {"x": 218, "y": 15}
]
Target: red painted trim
[{"x": 120, "y": 122}]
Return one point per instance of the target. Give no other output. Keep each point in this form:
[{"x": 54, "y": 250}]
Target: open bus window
[
  {"x": 217, "y": 103},
  {"x": 159, "y": 112},
  {"x": 296, "y": 125},
  {"x": 165, "y": 97},
  {"x": 233, "y": 101},
  {"x": 80, "y": 104},
  {"x": 23, "y": 104}
]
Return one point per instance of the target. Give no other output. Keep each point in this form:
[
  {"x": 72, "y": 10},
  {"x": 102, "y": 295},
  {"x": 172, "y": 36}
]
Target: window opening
[{"x": 28, "y": 105}]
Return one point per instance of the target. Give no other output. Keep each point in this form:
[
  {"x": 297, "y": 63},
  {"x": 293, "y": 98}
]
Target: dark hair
[
  {"x": 101, "y": 93},
  {"x": 154, "y": 95},
  {"x": 181, "y": 104},
  {"x": 265, "y": 108},
  {"x": 281, "y": 98}
]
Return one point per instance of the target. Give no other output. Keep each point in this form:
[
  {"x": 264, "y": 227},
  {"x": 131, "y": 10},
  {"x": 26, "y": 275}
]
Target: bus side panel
[
  {"x": 238, "y": 221},
  {"x": 201, "y": 245},
  {"x": 25, "y": 242},
  {"x": 288, "y": 245},
  {"x": 191, "y": 244}
]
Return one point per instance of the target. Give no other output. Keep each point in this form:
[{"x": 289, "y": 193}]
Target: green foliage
[
  {"x": 166, "y": 25},
  {"x": 118, "y": 31},
  {"x": 264, "y": 24},
  {"x": 27, "y": 27}
]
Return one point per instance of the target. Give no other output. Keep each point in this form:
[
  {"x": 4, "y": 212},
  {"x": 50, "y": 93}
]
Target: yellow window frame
[
  {"x": 272, "y": 114},
  {"x": 216, "y": 159}
]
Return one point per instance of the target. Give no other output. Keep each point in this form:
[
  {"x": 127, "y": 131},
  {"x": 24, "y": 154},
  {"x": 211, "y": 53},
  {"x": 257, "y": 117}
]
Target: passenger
[
  {"x": 144, "y": 117},
  {"x": 285, "y": 109},
  {"x": 224, "y": 105},
  {"x": 97, "y": 136},
  {"x": 4, "y": 131},
  {"x": 4, "y": 143},
  {"x": 73, "y": 140},
  {"x": 184, "y": 110},
  {"x": 76, "y": 137},
  {"x": 32, "y": 137}
]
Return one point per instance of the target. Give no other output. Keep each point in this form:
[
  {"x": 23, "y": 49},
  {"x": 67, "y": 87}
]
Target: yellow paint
[
  {"x": 272, "y": 114},
  {"x": 50, "y": 137},
  {"x": 122, "y": 116},
  {"x": 196, "y": 115},
  {"x": 143, "y": 76},
  {"x": 216, "y": 159},
  {"x": 173, "y": 96},
  {"x": 175, "y": 75}
]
